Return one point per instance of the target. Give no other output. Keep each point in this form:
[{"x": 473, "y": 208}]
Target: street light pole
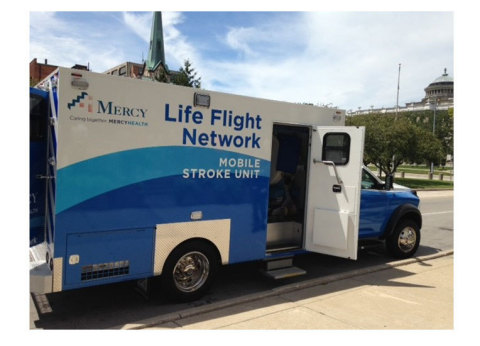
[
  {"x": 396, "y": 111},
  {"x": 434, "y": 119},
  {"x": 398, "y": 88}
]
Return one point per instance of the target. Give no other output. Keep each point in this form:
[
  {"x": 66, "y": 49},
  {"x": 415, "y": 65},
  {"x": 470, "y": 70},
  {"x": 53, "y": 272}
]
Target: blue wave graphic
[
  {"x": 87, "y": 179},
  {"x": 77, "y": 100}
]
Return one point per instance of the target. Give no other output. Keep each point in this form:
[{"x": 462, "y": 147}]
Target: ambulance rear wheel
[{"x": 189, "y": 270}]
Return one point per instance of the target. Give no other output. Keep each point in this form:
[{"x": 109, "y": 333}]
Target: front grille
[{"x": 105, "y": 270}]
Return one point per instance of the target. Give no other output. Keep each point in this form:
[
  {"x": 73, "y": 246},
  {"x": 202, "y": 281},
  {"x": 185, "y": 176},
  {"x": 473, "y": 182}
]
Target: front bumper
[{"x": 40, "y": 273}]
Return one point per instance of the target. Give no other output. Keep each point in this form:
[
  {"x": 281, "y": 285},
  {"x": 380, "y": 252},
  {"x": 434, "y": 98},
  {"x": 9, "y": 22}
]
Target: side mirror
[{"x": 389, "y": 182}]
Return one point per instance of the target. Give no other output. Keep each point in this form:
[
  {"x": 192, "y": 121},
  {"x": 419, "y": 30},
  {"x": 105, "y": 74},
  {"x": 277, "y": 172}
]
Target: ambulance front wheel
[
  {"x": 405, "y": 239},
  {"x": 189, "y": 270}
]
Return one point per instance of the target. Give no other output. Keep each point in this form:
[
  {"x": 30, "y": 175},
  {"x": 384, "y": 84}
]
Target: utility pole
[
  {"x": 398, "y": 88},
  {"x": 396, "y": 112}
]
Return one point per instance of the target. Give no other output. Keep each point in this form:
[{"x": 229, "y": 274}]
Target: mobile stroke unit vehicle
[{"x": 133, "y": 179}]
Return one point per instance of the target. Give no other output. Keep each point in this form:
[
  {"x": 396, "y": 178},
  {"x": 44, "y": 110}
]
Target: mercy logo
[
  {"x": 85, "y": 101},
  {"x": 110, "y": 111},
  {"x": 120, "y": 110},
  {"x": 81, "y": 101}
]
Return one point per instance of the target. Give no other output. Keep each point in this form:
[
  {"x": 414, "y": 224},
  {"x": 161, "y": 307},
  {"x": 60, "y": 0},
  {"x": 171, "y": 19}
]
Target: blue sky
[{"x": 347, "y": 59}]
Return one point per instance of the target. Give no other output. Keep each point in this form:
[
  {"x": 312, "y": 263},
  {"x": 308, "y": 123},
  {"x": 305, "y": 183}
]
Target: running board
[
  {"x": 285, "y": 273},
  {"x": 282, "y": 269}
]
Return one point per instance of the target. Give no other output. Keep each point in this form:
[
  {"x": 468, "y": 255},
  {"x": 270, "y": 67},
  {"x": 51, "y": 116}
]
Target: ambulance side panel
[{"x": 140, "y": 169}]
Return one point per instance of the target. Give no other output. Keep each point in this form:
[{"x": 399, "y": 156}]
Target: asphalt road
[{"x": 114, "y": 305}]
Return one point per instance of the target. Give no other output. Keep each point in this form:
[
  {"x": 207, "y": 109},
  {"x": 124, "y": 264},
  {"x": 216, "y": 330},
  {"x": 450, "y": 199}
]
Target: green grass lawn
[
  {"x": 424, "y": 183},
  {"x": 423, "y": 171},
  {"x": 420, "y": 170}
]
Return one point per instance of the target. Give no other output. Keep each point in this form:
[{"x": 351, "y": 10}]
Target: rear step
[{"x": 282, "y": 269}]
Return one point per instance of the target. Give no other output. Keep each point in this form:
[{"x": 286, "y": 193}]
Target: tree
[
  {"x": 389, "y": 141},
  {"x": 443, "y": 125},
  {"x": 429, "y": 148},
  {"x": 187, "y": 76}
]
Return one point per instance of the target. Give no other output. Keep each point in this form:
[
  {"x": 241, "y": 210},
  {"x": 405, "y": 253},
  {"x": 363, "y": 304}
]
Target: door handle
[{"x": 330, "y": 163}]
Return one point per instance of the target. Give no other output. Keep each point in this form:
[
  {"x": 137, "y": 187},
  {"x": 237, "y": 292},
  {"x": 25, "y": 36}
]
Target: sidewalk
[{"x": 410, "y": 294}]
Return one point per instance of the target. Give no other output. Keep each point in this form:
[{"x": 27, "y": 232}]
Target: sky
[{"x": 341, "y": 59}]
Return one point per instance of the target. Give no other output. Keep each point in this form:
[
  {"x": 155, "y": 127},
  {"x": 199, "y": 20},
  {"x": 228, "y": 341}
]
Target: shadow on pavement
[{"x": 114, "y": 305}]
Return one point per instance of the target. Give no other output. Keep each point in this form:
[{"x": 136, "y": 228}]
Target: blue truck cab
[{"x": 389, "y": 213}]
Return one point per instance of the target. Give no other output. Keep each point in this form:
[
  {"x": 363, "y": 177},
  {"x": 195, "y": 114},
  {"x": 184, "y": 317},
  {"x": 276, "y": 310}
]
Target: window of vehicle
[
  {"x": 336, "y": 148},
  {"x": 38, "y": 118},
  {"x": 368, "y": 181}
]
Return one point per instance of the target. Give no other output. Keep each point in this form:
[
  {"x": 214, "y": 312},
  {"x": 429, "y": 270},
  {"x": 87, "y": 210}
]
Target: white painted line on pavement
[{"x": 438, "y": 212}]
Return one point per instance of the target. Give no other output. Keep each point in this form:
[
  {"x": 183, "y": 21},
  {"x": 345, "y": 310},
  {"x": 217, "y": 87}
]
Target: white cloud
[
  {"x": 366, "y": 48},
  {"x": 44, "y": 22},
  {"x": 66, "y": 43},
  {"x": 349, "y": 59},
  {"x": 177, "y": 46},
  {"x": 241, "y": 38},
  {"x": 140, "y": 24}
]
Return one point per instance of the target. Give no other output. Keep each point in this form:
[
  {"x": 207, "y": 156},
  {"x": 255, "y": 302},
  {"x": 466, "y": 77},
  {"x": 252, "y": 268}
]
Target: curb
[
  {"x": 172, "y": 317},
  {"x": 434, "y": 190}
]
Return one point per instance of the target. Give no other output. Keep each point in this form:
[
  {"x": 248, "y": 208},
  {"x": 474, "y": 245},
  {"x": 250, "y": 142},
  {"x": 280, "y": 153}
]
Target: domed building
[
  {"x": 440, "y": 90},
  {"x": 438, "y": 94}
]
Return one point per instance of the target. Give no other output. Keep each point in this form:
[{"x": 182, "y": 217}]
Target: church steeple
[{"x": 156, "y": 53}]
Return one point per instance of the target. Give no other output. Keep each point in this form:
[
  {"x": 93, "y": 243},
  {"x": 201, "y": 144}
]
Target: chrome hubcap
[
  {"x": 407, "y": 239},
  {"x": 191, "y": 271}
]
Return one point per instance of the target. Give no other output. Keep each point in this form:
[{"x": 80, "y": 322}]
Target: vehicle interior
[{"x": 287, "y": 193}]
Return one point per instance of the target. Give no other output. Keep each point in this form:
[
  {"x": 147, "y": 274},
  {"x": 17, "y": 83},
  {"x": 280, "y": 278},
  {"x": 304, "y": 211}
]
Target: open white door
[{"x": 334, "y": 186}]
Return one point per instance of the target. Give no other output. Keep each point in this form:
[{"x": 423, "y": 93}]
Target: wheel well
[
  {"x": 405, "y": 212},
  {"x": 412, "y": 216},
  {"x": 198, "y": 241}
]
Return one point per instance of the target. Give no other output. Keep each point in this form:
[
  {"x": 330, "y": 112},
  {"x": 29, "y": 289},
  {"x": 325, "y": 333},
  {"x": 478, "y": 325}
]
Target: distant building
[
  {"x": 155, "y": 67},
  {"x": 127, "y": 69},
  {"x": 438, "y": 94},
  {"x": 440, "y": 91},
  {"x": 39, "y": 71}
]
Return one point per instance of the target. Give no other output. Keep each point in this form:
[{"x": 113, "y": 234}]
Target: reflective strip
[
  {"x": 57, "y": 274},
  {"x": 168, "y": 236}
]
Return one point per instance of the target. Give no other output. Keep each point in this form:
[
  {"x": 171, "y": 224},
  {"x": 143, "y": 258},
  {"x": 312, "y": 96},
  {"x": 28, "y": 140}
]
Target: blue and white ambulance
[{"x": 135, "y": 179}]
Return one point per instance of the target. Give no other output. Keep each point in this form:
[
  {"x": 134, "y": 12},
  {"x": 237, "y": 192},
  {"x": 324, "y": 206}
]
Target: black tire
[
  {"x": 404, "y": 240},
  {"x": 189, "y": 270}
]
